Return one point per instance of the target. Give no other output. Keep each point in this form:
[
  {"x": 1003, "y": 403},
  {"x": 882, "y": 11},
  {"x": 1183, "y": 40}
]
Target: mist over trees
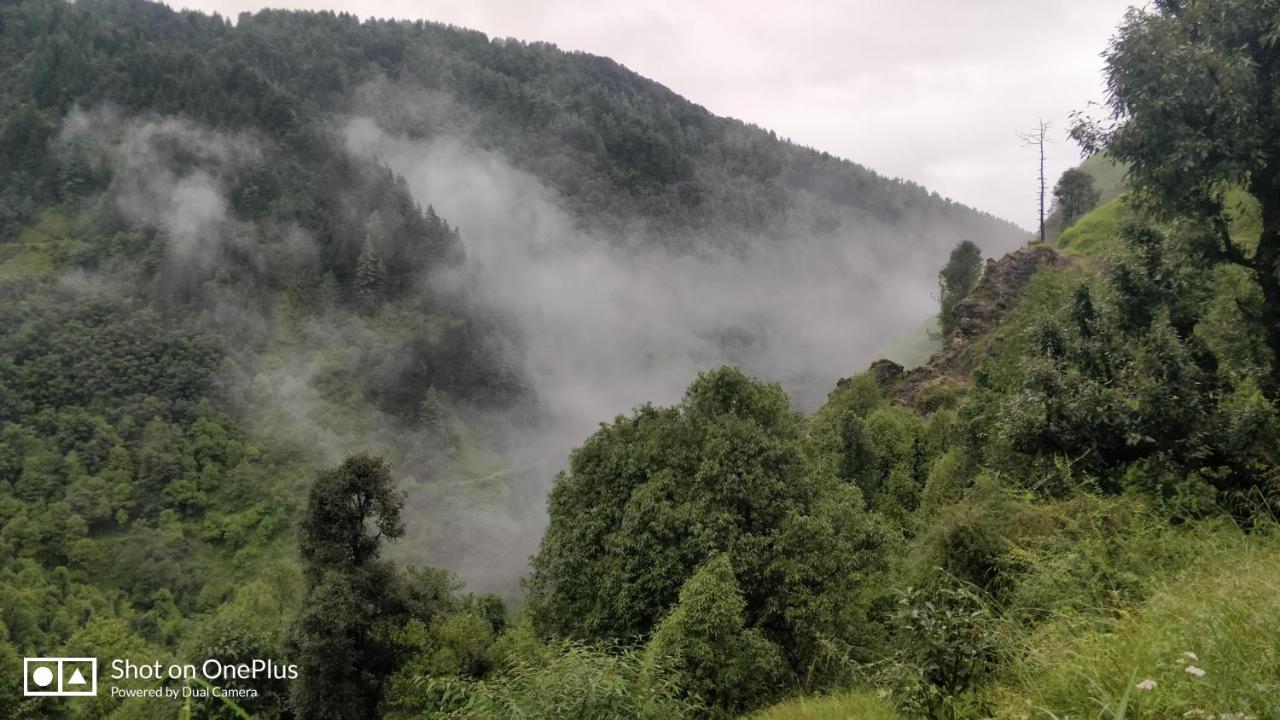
[{"x": 295, "y": 309}]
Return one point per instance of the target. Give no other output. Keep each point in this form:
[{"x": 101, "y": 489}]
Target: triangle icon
[{"x": 76, "y": 678}]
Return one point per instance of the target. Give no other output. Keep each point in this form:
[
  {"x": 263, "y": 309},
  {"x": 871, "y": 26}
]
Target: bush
[
  {"x": 945, "y": 648},
  {"x": 714, "y": 656}
]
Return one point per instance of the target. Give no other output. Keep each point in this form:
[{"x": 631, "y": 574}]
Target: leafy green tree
[
  {"x": 10, "y": 678},
  {"x": 1193, "y": 95},
  {"x": 650, "y": 498},
  {"x": 1075, "y": 195},
  {"x": 705, "y": 640},
  {"x": 956, "y": 280},
  {"x": 339, "y": 640}
]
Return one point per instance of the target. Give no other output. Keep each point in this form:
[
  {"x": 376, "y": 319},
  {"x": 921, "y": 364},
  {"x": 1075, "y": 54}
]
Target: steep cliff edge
[{"x": 979, "y": 314}]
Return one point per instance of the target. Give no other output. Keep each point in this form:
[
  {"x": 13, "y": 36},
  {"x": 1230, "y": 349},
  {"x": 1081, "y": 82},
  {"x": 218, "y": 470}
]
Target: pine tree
[
  {"x": 371, "y": 276},
  {"x": 432, "y": 412}
]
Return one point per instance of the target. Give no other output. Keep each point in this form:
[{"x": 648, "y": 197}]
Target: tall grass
[
  {"x": 1205, "y": 644},
  {"x": 841, "y": 706}
]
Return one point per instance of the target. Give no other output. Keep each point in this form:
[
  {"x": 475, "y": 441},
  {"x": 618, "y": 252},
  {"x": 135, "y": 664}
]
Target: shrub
[
  {"x": 945, "y": 648},
  {"x": 706, "y": 643}
]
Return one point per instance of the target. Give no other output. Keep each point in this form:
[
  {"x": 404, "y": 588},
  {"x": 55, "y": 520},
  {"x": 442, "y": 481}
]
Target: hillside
[
  {"x": 1181, "y": 632},
  {"x": 468, "y": 378},
  {"x": 619, "y": 148},
  {"x": 380, "y": 217}
]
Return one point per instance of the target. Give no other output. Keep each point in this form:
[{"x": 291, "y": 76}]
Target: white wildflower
[
  {"x": 1189, "y": 656},
  {"x": 1147, "y": 684},
  {"x": 1196, "y": 671},
  {"x": 1195, "y": 713}
]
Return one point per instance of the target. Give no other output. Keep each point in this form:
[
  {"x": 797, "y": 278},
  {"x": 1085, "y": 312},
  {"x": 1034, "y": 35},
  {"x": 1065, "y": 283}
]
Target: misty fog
[
  {"x": 609, "y": 323},
  {"x": 600, "y": 323}
]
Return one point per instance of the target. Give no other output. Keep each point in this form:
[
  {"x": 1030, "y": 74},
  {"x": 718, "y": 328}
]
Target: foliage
[
  {"x": 1125, "y": 391},
  {"x": 1042, "y": 536},
  {"x": 1096, "y": 233},
  {"x": 1191, "y": 92},
  {"x": 577, "y": 681},
  {"x": 1216, "y": 617},
  {"x": 837, "y": 706},
  {"x": 1074, "y": 195},
  {"x": 650, "y": 498},
  {"x": 956, "y": 279},
  {"x": 339, "y": 641},
  {"x": 704, "y": 641},
  {"x": 945, "y": 649},
  {"x": 614, "y": 144}
]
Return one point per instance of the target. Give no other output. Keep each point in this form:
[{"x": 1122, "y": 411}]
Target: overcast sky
[{"x": 930, "y": 90}]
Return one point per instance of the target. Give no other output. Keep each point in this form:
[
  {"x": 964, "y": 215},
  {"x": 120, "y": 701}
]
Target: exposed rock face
[
  {"x": 1001, "y": 287},
  {"x": 886, "y": 372}
]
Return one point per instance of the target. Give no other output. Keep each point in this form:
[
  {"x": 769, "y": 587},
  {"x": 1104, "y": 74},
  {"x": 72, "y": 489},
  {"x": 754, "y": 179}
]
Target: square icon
[{"x": 59, "y": 676}]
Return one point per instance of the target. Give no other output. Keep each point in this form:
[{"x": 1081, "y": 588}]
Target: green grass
[
  {"x": 1108, "y": 179},
  {"x": 1108, "y": 176},
  {"x": 45, "y": 247},
  {"x": 1221, "y": 617},
  {"x": 849, "y": 705},
  {"x": 38, "y": 251},
  {"x": 1095, "y": 234}
]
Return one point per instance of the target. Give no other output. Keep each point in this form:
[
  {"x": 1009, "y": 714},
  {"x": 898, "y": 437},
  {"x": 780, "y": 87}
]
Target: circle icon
[{"x": 42, "y": 676}]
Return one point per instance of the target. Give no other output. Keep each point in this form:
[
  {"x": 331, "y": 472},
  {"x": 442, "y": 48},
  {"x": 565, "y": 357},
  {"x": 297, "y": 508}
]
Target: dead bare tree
[{"x": 1038, "y": 138}]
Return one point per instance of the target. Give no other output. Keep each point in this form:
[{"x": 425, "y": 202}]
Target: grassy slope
[
  {"x": 1223, "y": 604},
  {"x": 1223, "y": 610},
  {"x": 40, "y": 248},
  {"x": 1108, "y": 179},
  {"x": 1094, "y": 234},
  {"x": 842, "y": 706}
]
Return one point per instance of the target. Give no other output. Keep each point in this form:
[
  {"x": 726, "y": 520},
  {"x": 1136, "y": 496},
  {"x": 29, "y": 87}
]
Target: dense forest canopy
[{"x": 296, "y": 309}]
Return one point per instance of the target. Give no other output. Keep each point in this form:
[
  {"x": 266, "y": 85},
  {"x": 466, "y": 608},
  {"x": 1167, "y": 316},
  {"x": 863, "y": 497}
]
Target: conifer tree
[{"x": 371, "y": 275}]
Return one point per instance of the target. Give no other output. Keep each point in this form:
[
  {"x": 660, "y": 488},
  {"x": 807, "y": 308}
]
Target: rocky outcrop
[{"x": 1001, "y": 288}]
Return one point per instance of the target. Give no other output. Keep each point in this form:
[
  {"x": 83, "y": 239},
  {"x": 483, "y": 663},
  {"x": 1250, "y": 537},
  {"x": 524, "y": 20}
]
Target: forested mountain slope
[
  {"x": 297, "y": 308},
  {"x": 412, "y": 237},
  {"x": 617, "y": 146}
]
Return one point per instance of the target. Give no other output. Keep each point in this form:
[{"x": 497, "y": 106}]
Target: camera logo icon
[{"x": 59, "y": 676}]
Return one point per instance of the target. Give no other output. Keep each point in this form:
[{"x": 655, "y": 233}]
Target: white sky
[{"x": 934, "y": 91}]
